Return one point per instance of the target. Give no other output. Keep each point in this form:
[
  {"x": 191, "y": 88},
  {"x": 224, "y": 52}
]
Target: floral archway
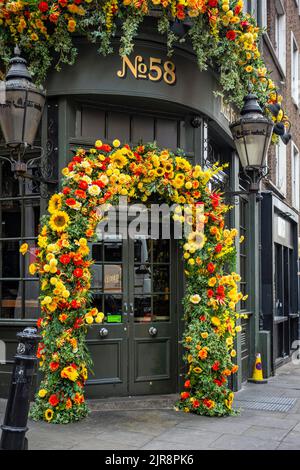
[{"x": 102, "y": 174}]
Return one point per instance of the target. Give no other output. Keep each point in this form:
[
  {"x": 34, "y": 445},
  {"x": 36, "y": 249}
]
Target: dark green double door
[{"x": 135, "y": 349}]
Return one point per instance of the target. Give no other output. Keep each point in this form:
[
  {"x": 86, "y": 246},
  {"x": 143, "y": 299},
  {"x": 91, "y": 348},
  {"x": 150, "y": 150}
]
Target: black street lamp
[
  {"x": 252, "y": 134},
  {"x": 21, "y": 109}
]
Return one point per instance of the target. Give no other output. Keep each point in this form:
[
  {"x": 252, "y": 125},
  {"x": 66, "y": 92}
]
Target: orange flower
[
  {"x": 68, "y": 404},
  {"x": 203, "y": 354}
]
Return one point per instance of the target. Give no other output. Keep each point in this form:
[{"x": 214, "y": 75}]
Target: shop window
[
  {"x": 19, "y": 219},
  {"x": 280, "y": 33},
  {"x": 295, "y": 69},
  {"x": 244, "y": 251},
  {"x": 281, "y": 167},
  {"x": 295, "y": 177}
]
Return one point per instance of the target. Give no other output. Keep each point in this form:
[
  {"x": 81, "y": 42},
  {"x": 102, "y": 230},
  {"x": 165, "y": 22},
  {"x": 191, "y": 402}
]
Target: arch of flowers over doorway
[{"x": 103, "y": 174}]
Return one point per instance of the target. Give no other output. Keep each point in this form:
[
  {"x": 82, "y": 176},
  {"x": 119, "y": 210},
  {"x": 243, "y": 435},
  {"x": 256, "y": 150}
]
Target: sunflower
[
  {"x": 54, "y": 203},
  {"x": 118, "y": 159},
  {"x": 168, "y": 167},
  {"x": 160, "y": 171},
  {"x": 48, "y": 414},
  {"x": 59, "y": 221}
]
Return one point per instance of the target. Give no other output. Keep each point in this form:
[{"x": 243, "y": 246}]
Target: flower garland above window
[{"x": 221, "y": 34}]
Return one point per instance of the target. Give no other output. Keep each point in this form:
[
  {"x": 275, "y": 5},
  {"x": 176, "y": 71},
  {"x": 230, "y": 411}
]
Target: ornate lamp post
[
  {"x": 252, "y": 134},
  {"x": 21, "y": 108}
]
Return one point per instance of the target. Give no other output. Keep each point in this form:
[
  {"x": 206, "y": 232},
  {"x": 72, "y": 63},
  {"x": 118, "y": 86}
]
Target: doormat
[
  {"x": 266, "y": 403},
  {"x": 164, "y": 402}
]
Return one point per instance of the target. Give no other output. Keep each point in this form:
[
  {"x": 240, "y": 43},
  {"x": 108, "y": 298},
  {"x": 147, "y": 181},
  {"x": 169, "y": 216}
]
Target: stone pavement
[{"x": 165, "y": 429}]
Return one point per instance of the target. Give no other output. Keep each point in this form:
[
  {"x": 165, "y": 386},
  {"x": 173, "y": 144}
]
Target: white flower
[{"x": 94, "y": 190}]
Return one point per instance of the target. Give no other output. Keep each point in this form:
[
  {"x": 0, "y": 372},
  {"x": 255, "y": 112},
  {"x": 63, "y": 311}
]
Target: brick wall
[{"x": 283, "y": 80}]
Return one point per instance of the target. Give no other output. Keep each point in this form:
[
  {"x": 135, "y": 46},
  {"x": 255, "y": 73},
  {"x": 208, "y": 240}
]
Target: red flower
[
  {"x": 53, "y": 400},
  {"x": 65, "y": 259},
  {"x": 66, "y": 191},
  {"x": 83, "y": 185},
  {"x": 80, "y": 193},
  {"x": 210, "y": 293},
  {"x": 218, "y": 382},
  {"x": 39, "y": 322},
  {"x": 105, "y": 148},
  {"x": 43, "y": 7},
  {"x": 70, "y": 202},
  {"x": 196, "y": 404},
  {"x": 187, "y": 384},
  {"x": 185, "y": 395},
  {"x": 63, "y": 3},
  {"x": 208, "y": 403},
  {"x": 213, "y": 3},
  {"x": 218, "y": 248},
  {"x": 77, "y": 324},
  {"x": 54, "y": 366},
  {"x": 231, "y": 35},
  {"x": 211, "y": 268},
  {"x": 202, "y": 318},
  {"x": 75, "y": 304},
  {"x": 78, "y": 272},
  {"x": 54, "y": 17},
  {"x": 216, "y": 366}
]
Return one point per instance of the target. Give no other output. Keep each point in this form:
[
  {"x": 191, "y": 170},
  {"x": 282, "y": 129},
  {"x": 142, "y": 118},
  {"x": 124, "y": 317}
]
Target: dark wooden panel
[
  {"x": 92, "y": 123},
  {"x": 118, "y": 127},
  {"x": 167, "y": 133},
  {"x": 152, "y": 359},
  {"x": 142, "y": 129},
  {"x": 107, "y": 358}
]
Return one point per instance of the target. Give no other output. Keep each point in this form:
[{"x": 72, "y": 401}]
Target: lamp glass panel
[{"x": 12, "y": 113}]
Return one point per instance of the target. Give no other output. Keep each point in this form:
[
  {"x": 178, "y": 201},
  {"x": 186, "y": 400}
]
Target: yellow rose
[
  {"x": 24, "y": 248},
  {"x": 32, "y": 269},
  {"x": 42, "y": 393},
  {"x": 116, "y": 143}
]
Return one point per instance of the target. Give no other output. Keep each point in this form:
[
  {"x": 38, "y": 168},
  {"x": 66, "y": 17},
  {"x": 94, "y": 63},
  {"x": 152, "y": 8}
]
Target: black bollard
[{"x": 17, "y": 408}]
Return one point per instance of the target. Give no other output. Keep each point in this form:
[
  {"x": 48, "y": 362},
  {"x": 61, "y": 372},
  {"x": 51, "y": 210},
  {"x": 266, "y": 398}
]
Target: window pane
[
  {"x": 113, "y": 251},
  {"x": 97, "y": 276},
  {"x": 142, "y": 309},
  {"x": 10, "y": 259},
  {"x": 161, "y": 307},
  {"x": 31, "y": 293},
  {"x": 161, "y": 251},
  {"x": 112, "y": 278},
  {"x": 142, "y": 279},
  {"x": 10, "y": 299},
  {"x": 161, "y": 279}
]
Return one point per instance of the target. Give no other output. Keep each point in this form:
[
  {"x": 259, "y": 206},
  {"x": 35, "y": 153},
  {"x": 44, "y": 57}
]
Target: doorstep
[{"x": 143, "y": 402}]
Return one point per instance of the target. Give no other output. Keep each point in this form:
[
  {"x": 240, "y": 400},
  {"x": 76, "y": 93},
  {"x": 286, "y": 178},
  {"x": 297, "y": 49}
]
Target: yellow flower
[
  {"x": 59, "y": 221},
  {"x": 98, "y": 143},
  {"x": 197, "y": 370},
  {"x": 116, "y": 143},
  {"x": 216, "y": 321},
  {"x": 42, "y": 393},
  {"x": 24, "y": 248},
  {"x": 233, "y": 353},
  {"x": 32, "y": 269},
  {"x": 49, "y": 414},
  {"x": 204, "y": 335},
  {"x": 99, "y": 318},
  {"x": 118, "y": 158},
  {"x": 69, "y": 373},
  {"x": 54, "y": 203}
]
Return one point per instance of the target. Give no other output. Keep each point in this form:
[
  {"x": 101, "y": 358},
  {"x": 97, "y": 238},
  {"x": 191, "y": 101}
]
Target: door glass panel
[
  {"x": 113, "y": 251},
  {"x": 161, "y": 278},
  {"x": 97, "y": 276},
  {"x": 113, "y": 308},
  {"x": 161, "y": 307},
  {"x": 97, "y": 252},
  {"x": 142, "y": 279},
  {"x": 161, "y": 251},
  {"x": 112, "y": 278},
  {"x": 142, "y": 309},
  {"x": 151, "y": 277}
]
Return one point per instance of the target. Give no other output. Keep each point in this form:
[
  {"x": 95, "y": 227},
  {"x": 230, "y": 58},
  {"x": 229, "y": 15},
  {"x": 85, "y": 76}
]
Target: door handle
[
  {"x": 103, "y": 332},
  {"x": 125, "y": 309},
  {"x": 153, "y": 331},
  {"x": 131, "y": 310}
]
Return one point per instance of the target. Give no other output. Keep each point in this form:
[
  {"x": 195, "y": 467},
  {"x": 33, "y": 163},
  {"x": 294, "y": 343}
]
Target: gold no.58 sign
[{"x": 154, "y": 69}]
